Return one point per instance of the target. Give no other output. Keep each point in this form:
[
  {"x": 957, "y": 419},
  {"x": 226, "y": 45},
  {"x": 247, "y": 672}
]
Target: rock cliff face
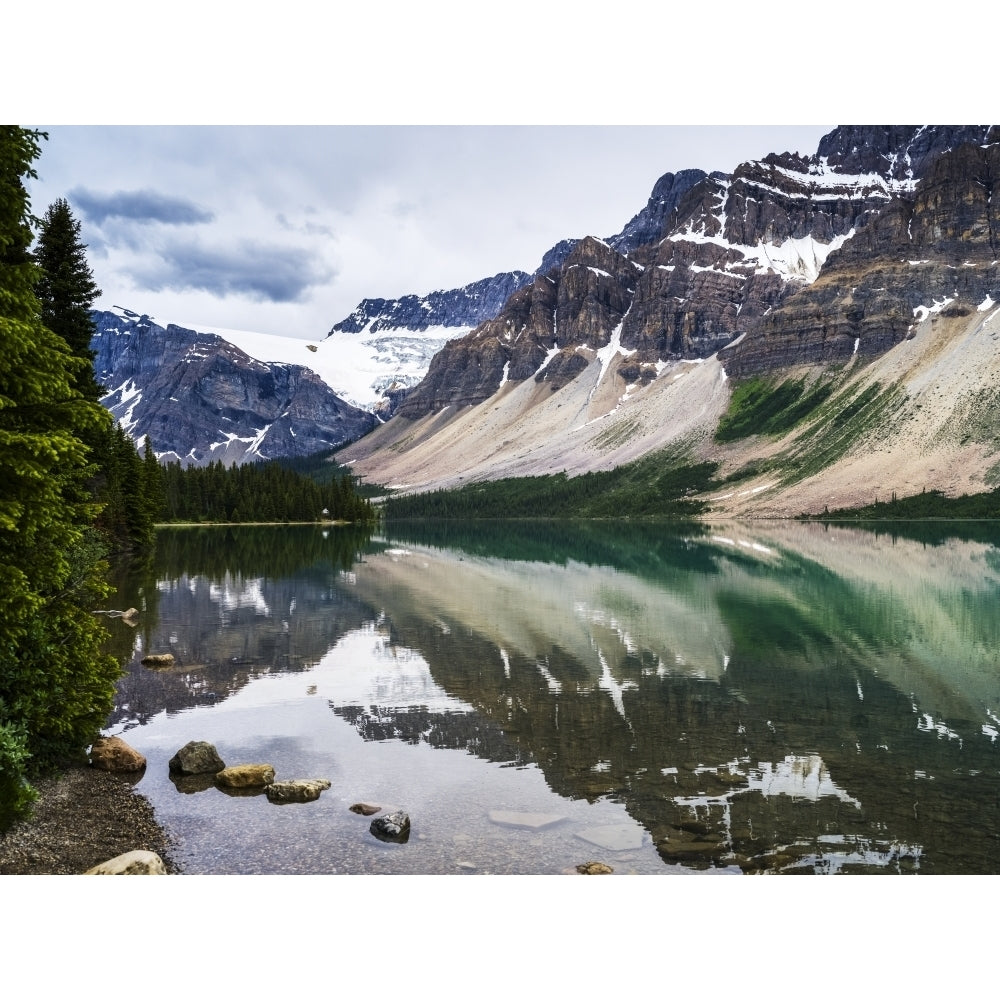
[
  {"x": 933, "y": 247},
  {"x": 707, "y": 259},
  {"x": 200, "y": 399},
  {"x": 399, "y": 337},
  {"x": 550, "y": 331},
  {"x": 650, "y": 224},
  {"x": 899, "y": 152}
]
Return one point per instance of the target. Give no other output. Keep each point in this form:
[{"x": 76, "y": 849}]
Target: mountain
[
  {"x": 934, "y": 246},
  {"x": 849, "y": 293},
  {"x": 370, "y": 360},
  {"x": 201, "y": 399},
  {"x": 385, "y": 347}
]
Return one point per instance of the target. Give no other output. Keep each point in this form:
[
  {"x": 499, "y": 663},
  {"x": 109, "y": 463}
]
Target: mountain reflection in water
[{"x": 766, "y": 697}]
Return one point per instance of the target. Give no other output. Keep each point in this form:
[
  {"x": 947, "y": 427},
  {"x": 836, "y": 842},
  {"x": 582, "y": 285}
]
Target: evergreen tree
[
  {"x": 67, "y": 290},
  {"x": 152, "y": 483},
  {"x": 56, "y": 683}
]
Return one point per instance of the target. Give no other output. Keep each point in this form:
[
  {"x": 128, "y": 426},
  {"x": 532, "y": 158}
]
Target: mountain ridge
[
  {"x": 838, "y": 280},
  {"x": 728, "y": 291},
  {"x": 201, "y": 399}
]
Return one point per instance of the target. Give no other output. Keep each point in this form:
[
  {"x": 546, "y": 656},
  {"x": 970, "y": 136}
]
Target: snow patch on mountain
[{"x": 358, "y": 367}]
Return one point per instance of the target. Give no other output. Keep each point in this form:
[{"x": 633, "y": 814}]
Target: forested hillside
[{"x": 260, "y": 491}]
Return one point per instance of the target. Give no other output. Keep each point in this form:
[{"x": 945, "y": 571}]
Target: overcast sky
[{"x": 285, "y": 229}]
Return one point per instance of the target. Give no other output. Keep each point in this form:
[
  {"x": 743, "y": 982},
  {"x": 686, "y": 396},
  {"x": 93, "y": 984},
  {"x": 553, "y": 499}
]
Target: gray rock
[
  {"x": 299, "y": 790},
  {"x": 394, "y": 828},
  {"x": 196, "y": 757}
]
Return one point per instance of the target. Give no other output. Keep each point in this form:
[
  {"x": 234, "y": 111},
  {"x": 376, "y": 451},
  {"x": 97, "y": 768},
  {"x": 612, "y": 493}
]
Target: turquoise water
[{"x": 673, "y": 699}]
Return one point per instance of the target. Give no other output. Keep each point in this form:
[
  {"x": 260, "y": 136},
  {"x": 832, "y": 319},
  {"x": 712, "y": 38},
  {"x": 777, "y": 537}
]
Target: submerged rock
[
  {"x": 616, "y": 837},
  {"x": 300, "y": 790},
  {"x": 158, "y": 660},
  {"x": 132, "y": 863},
  {"x": 394, "y": 828},
  {"x": 245, "y": 776},
  {"x": 525, "y": 820},
  {"x": 196, "y": 757},
  {"x": 112, "y": 753},
  {"x": 595, "y": 868}
]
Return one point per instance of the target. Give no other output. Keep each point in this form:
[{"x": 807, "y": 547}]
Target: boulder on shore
[
  {"x": 112, "y": 753},
  {"x": 299, "y": 790},
  {"x": 245, "y": 776},
  {"x": 196, "y": 757},
  {"x": 132, "y": 863}
]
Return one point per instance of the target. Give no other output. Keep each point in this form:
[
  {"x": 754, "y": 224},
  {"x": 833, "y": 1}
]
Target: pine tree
[
  {"x": 67, "y": 290},
  {"x": 152, "y": 483},
  {"x": 56, "y": 683}
]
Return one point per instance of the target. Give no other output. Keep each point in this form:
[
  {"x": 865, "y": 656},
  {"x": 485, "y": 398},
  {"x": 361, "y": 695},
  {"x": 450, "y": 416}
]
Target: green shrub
[{"x": 16, "y": 795}]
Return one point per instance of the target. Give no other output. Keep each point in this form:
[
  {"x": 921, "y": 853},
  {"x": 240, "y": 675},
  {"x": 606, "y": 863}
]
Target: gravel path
[{"x": 81, "y": 818}]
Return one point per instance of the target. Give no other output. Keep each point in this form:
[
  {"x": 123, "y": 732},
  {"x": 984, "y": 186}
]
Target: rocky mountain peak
[
  {"x": 651, "y": 223},
  {"x": 897, "y": 152},
  {"x": 888, "y": 233},
  {"x": 932, "y": 247},
  {"x": 728, "y": 250}
]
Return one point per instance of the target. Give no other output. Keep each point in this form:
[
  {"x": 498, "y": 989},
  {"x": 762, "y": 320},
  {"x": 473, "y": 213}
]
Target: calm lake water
[{"x": 669, "y": 699}]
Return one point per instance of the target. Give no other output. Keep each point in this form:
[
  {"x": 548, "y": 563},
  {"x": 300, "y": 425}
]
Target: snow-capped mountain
[
  {"x": 617, "y": 347},
  {"x": 201, "y": 399},
  {"x": 626, "y": 347},
  {"x": 384, "y": 348}
]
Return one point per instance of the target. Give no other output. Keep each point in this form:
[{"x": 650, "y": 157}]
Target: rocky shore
[{"x": 82, "y": 818}]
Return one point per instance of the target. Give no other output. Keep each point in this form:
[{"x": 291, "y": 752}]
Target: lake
[{"x": 673, "y": 699}]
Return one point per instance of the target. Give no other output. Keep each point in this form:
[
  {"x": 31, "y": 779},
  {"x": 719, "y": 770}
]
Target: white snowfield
[{"x": 357, "y": 366}]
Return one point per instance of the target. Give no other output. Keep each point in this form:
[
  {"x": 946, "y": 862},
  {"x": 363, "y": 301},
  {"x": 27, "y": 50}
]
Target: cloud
[
  {"x": 261, "y": 272},
  {"x": 139, "y": 206},
  {"x": 307, "y": 227}
]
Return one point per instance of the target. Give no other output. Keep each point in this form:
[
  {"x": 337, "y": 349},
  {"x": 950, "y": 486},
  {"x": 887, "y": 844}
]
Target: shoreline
[{"x": 81, "y": 818}]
